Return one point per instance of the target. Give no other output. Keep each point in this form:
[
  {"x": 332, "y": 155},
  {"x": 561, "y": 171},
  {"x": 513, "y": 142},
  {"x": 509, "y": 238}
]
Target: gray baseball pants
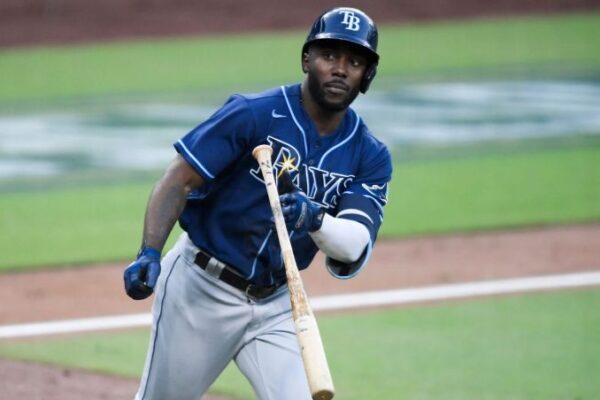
[{"x": 200, "y": 324}]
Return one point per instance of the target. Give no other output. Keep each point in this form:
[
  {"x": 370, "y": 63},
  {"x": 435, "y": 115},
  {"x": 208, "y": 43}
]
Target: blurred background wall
[{"x": 30, "y": 22}]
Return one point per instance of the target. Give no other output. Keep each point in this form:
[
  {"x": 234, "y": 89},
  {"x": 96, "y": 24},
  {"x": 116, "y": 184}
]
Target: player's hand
[
  {"x": 285, "y": 184},
  {"x": 300, "y": 213},
  {"x": 141, "y": 275}
]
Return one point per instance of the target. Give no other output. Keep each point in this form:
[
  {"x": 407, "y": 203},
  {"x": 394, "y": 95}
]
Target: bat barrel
[
  {"x": 323, "y": 395},
  {"x": 313, "y": 354}
]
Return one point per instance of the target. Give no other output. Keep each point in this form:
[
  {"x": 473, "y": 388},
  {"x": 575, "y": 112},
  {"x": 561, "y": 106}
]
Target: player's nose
[{"x": 340, "y": 65}]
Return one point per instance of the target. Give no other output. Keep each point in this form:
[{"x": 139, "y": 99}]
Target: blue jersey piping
[
  {"x": 294, "y": 118},
  {"x": 189, "y": 153},
  {"x": 262, "y": 247}
]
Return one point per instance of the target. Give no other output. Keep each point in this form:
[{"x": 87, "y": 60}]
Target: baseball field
[{"x": 515, "y": 206}]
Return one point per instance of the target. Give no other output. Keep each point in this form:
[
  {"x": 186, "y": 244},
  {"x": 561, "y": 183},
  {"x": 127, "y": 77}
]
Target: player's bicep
[{"x": 180, "y": 170}]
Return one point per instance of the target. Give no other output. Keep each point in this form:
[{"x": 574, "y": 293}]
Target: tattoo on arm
[
  {"x": 166, "y": 203},
  {"x": 164, "y": 207}
]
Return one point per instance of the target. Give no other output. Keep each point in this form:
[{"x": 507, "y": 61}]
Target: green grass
[
  {"x": 103, "y": 222},
  {"x": 238, "y": 61},
  {"x": 146, "y": 67},
  {"x": 527, "y": 347},
  {"x": 87, "y": 224},
  {"x": 499, "y": 190},
  {"x": 561, "y": 41}
]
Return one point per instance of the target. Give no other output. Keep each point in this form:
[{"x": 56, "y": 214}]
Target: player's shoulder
[
  {"x": 373, "y": 149},
  {"x": 272, "y": 103},
  {"x": 254, "y": 105},
  {"x": 369, "y": 140},
  {"x": 367, "y": 135},
  {"x": 269, "y": 96}
]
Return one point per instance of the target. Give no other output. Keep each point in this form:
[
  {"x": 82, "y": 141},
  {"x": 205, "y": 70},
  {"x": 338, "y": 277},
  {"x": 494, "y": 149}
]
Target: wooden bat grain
[{"x": 307, "y": 330}]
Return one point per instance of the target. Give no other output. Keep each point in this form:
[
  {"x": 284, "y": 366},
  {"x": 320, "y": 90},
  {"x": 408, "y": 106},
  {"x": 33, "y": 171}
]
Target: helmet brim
[{"x": 361, "y": 45}]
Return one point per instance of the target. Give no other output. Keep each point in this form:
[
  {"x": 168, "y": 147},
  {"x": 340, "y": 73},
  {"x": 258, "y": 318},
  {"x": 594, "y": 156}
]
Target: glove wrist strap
[
  {"x": 317, "y": 220},
  {"x": 147, "y": 251}
]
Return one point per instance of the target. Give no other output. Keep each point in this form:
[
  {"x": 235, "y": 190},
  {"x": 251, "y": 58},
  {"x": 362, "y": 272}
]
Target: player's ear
[{"x": 305, "y": 57}]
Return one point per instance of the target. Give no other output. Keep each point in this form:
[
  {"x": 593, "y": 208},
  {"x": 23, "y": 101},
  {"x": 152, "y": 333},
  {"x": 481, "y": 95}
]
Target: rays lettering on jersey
[{"x": 321, "y": 186}]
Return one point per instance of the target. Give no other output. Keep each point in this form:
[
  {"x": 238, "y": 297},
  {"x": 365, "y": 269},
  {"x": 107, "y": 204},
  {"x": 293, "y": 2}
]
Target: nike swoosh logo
[{"x": 275, "y": 115}]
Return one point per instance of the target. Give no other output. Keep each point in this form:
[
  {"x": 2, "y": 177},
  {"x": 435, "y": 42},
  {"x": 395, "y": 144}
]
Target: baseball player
[{"x": 221, "y": 291}]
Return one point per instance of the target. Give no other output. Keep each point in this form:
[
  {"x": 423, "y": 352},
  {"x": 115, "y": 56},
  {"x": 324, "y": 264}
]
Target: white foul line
[
  {"x": 75, "y": 325},
  {"x": 453, "y": 291},
  {"x": 327, "y": 303}
]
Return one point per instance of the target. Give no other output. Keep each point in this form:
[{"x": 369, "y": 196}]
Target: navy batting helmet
[{"x": 348, "y": 25}]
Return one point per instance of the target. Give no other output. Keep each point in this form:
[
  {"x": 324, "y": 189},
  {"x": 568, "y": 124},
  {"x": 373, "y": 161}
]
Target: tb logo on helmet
[{"x": 351, "y": 21}]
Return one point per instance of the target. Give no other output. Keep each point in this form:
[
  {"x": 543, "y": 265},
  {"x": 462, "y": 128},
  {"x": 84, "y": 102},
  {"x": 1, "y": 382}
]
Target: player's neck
[{"x": 326, "y": 121}]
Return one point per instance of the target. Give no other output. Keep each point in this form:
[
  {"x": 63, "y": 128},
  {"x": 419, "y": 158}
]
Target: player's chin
[{"x": 338, "y": 101}]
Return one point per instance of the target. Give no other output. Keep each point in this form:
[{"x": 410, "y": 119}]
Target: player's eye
[
  {"x": 328, "y": 55},
  {"x": 357, "y": 62}
]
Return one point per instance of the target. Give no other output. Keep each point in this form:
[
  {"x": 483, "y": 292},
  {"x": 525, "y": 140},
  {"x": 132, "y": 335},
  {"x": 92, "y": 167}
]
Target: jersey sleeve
[
  {"x": 365, "y": 198},
  {"x": 363, "y": 201},
  {"x": 222, "y": 138}
]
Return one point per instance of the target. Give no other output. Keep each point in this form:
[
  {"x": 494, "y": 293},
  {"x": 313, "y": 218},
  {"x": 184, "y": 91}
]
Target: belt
[{"x": 228, "y": 275}]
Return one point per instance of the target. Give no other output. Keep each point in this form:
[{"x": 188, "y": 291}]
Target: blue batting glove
[
  {"x": 300, "y": 213},
  {"x": 141, "y": 275}
]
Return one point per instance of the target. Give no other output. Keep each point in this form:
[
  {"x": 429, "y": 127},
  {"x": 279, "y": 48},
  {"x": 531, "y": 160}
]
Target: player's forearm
[
  {"x": 167, "y": 202},
  {"x": 164, "y": 207},
  {"x": 341, "y": 239}
]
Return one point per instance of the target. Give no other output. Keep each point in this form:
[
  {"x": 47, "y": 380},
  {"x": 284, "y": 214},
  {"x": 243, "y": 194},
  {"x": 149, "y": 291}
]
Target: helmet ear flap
[{"x": 370, "y": 73}]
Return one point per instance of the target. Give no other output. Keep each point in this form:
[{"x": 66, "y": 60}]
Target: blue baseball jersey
[{"x": 229, "y": 217}]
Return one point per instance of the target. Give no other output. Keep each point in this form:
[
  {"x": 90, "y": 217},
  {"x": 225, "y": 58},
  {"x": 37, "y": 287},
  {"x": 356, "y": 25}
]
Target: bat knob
[{"x": 262, "y": 151}]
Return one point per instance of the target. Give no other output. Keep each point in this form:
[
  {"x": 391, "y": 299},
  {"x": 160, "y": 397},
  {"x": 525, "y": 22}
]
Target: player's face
[{"x": 334, "y": 73}]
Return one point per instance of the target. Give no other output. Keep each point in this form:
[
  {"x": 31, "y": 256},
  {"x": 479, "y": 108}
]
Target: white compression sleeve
[{"x": 341, "y": 239}]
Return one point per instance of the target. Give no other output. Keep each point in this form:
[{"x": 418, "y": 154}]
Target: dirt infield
[
  {"x": 98, "y": 290},
  {"x": 31, "y": 22},
  {"x": 74, "y": 292}
]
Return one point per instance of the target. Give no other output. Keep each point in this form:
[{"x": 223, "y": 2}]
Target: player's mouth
[{"x": 336, "y": 87}]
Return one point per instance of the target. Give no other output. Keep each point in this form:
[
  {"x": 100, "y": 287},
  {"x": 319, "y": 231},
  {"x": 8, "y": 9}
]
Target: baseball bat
[{"x": 307, "y": 331}]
